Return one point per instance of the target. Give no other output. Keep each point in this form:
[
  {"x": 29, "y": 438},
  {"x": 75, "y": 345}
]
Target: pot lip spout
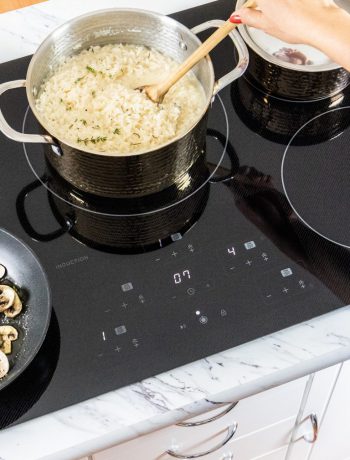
[{"x": 64, "y": 29}]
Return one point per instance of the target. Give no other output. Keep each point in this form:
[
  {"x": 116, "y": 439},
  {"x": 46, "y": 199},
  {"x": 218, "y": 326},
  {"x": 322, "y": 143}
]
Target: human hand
[{"x": 293, "y": 21}]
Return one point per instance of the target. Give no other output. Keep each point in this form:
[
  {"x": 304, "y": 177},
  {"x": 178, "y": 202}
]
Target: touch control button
[
  {"x": 119, "y": 330},
  {"x": 286, "y": 272},
  {"x": 250, "y": 245},
  {"x": 127, "y": 287},
  {"x": 203, "y": 319},
  {"x": 284, "y": 283}
]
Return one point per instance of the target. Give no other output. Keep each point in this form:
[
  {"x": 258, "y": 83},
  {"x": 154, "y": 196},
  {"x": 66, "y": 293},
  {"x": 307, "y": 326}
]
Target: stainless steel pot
[
  {"x": 278, "y": 120},
  {"x": 113, "y": 175},
  {"x": 291, "y": 81}
]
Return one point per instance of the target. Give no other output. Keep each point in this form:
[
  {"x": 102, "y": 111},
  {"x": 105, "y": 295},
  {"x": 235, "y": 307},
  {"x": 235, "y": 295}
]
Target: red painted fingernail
[{"x": 236, "y": 19}]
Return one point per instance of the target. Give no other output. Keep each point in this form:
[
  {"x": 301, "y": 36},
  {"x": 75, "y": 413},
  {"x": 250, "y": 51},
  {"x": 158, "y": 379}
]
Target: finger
[{"x": 251, "y": 17}]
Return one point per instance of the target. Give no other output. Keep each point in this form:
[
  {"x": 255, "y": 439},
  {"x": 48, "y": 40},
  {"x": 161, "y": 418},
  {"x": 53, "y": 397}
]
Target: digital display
[{"x": 182, "y": 276}]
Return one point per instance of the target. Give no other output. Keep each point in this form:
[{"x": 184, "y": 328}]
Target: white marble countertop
[{"x": 164, "y": 399}]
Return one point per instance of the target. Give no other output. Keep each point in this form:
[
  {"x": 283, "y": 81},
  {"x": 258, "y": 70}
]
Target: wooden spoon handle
[{"x": 203, "y": 50}]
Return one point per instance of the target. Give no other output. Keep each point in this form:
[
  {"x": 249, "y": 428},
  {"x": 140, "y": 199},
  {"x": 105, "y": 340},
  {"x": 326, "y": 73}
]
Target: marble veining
[
  {"x": 23, "y": 30},
  {"x": 184, "y": 392}
]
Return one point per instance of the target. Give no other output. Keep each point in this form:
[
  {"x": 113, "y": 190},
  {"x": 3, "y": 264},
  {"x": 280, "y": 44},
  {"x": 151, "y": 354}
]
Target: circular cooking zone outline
[
  {"x": 140, "y": 213},
  {"x": 324, "y": 204}
]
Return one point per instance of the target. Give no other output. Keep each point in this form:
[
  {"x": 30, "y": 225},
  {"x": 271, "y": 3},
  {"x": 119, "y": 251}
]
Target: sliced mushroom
[
  {"x": 8, "y": 334},
  {"x": 2, "y": 271},
  {"x": 7, "y": 297},
  {"x": 15, "y": 308},
  {"x": 6, "y": 346},
  {"x": 4, "y": 365}
]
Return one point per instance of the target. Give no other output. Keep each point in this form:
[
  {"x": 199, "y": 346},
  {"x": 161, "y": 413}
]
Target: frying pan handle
[
  {"x": 11, "y": 133},
  {"x": 243, "y": 54},
  {"x": 25, "y": 222}
]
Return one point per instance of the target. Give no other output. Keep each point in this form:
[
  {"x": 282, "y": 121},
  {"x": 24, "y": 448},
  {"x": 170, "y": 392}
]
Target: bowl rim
[{"x": 243, "y": 29}]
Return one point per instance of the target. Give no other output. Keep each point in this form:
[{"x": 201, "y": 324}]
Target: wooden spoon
[{"x": 157, "y": 91}]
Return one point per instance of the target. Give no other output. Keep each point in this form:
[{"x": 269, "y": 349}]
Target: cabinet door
[
  {"x": 268, "y": 442},
  {"x": 315, "y": 401},
  {"x": 254, "y": 446},
  {"x": 334, "y": 437},
  {"x": 267, "y": 419},
  {"x": 279, "y": 454}
]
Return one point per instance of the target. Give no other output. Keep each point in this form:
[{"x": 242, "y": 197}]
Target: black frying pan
[{"x": 25, "y": 270}]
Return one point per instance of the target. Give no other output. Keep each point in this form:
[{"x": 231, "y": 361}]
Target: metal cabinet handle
[
  {"x": 315, "y": 428},
  {"x": 210, "y": 419},
  {"x": 314, "y": 423},
  {"x": 231, "y": 430}
]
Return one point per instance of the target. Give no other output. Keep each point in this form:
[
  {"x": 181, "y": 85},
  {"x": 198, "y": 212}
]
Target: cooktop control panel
[{"x": 190, "y": 292}]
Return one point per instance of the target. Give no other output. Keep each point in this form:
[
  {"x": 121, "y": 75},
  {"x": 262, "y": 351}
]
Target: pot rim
[
  {"x": 51, "y": 37},
  {"x": 243, "y": 29}
]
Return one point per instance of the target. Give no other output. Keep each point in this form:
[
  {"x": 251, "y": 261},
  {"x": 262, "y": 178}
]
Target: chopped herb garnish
[
  {"x": 79, "y": 79},
  {"x": 96, "y": 140},
  {"x": 93, "y": 140},
  {"x": 91, "y": 69},
  {"x": 61, "y": 100},
  {"x": 85, "y": 141},
  {"x": 71, "y": 126},
  {"x": 84, "y": 122},
  {"x": 93, "y": 93},
  {"x": 116, "y": 131}
]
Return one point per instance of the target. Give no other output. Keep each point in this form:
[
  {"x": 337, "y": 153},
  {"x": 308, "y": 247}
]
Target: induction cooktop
[{"x": 256, "y": 241}]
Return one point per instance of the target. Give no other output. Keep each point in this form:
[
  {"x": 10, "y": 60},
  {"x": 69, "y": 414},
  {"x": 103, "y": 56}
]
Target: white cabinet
[
  {"x": 247, "y": 447},
  {"x": 264, "y": 424},
  {"x": 279, "y": 454},
  {"x": 315, "y": 401},
  {"x": 334, "y": 437},
  {"x": 268, "y": 426}
]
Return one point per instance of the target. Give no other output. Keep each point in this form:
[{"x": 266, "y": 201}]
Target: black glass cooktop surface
[{"x": 219, "y": 262}]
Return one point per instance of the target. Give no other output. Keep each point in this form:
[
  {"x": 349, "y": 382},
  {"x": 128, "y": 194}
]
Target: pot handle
[
  {"x": 11, "y": 133},
  {"x": 68, "y": 224},
  {"x": 242, "y": 50}
]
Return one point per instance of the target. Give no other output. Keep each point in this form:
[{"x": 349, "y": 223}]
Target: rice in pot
[{"x": 90, "y": 101}]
